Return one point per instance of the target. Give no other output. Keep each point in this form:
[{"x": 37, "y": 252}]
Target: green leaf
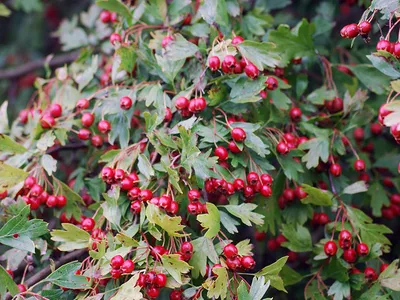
[
  {"x": 120, "y": 125},
  {"x": 73, "y": 199},
  {"x": 387, "y": 7},
  {"x": 245, "y": 213},
  {"x": 320, "y": 95},
  {"x": 180, "y": 48},
  {"x": 242, "y": 292},
  {"x": 214, "y": 11},
  {"x": 10, "y": 176},
  {"x": 245, "y": 90},
  {"x": 145, "y": 167},
  {"x": 65, "y": 277},
  {"x": 174, "y": 266},
  {"x": 19, "y": 232},
  {"x": 115, "y": 6},
  {"x": 272, "y": 271},
  {"x": 383, "y": 65},
  {"x": 290, "y": 276},
  {"x": 262, "y": 55},
  {"x": 378, "y": 198},
  {"x": 49, "y": 164},
  {"x": 217, "y": 288},
  {"x": 4, "y": 12},
  {"x": 229, "y": 223},
  {"x": 7, "y": 283},
  {"x": 372, "y": 78},
  {"x": 128, "y": 58},
  {"x": 355, "y": 188},
  {"x": 28, "y": 6},
  {"x": 203, "y": 249},
  {"x": 210, "y": 220},
  {"x": 71, "y": 238},
  {"x": 258, "y": 288},
  {"x": 340, "y": 290},
  {"x": 299, "y": 238},
  {"x": 390, "y": 278},
  {"x": 244, "y": 247},
  {"x": 170, "y": 224},
  {"x": 316, "y": 196},
  {"x": 129, "y": 290},
  {"x": 46, "y": 141},
  {"x": 280, "y": 99},
  {"x": 10, "y": 146},
  {"x": 318, "y": 149},
  {"x": 111, "y": 210}
]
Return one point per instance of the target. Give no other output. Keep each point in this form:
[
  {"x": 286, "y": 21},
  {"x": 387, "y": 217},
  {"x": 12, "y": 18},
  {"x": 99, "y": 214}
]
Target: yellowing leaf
[
  {"x": 174, "y": 266},
  {"x": 129, "y": 290},
  {"x": 217, "y": 288},
  {"x": 10, "y": 176},
  {"x": 170, "y": 224},
  {"x": 271, "y": 273},
  {"x": 71, "y": 238},
  {"x": 210, "y": 220},
  {"x": 244, "y": 247},
  {"x": 10, "y": 146}
]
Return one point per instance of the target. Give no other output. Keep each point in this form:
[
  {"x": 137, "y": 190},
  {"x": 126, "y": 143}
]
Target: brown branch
[
  {"x": 58, "y": 60},
  {"x": 46, "y": 271}
]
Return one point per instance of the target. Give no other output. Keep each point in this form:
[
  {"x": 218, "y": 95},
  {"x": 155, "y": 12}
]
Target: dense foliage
[{"x": 202, "y": 150}]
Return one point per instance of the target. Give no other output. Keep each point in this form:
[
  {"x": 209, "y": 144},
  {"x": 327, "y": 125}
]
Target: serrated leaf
[
  {"x": 145, "y": 166},
  {"x": 129, "y": 290},
  {"x": 8, "y": 145},
  {"x": 65, "y": 277},
  {"x": 262, "y": 55},
  {"x": 258, "y": 288},
  {"x": 217, "y": 288},
  {"x": 46, "y": 141},
  {"x": 203, "y": 249},
  {"x": 339, "y": 290},
  {"x": 229, "y": 223},
  {"x": 49, "y": 164},
  {"x": 319, "y": 96},
  {"x": 316, "y": 196},
  {"x": 128, "y": 58},
  {"x": 172, "y": 225},
  {"x": 378, "y": 198},
  {"x": 372, "y": 78},
  {"x": 10, "y": 176},
  {"x": 214, "y": 11},
  {"x": 272, "y": 271},
  {"x": 244, "y": 247},
  {"x": 299, "y": 238},
  {"x": 355, "y": 188},
  {"x": 245, "y": 213},
  {"x": 180, "y": 48},
  {"x": 71, "y": 238},
  {"x": 19, "y": 232},
  {"x": 318, "y": 149},
  {"x": 174, "y": 266},
  {"x": 210, "y": 220}
]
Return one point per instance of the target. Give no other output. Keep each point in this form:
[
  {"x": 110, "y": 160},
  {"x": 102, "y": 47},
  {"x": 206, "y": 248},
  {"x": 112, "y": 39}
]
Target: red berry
[
  {"x": 21, "y": 288},
  {"x": 272, "y": 245},
  {"x": 295, "y": 114},
  {"x": 165, "y": 201},
  {"x": 345, "y": 235},
  {"x": 181, "y": 103},
  {"x": 197, "y": 105},
  {"x": 280, "y": 239},
  {"x": 396, "y": 49},
  {"x": 233, "y": 147},
  {"x": 370, "y": 274},
  {"x": 330, "y": 248},
  {"x": 251, "y": 71},
  {"x": 395, "y": 199},
  {"x": 362, "y": 249},
  {"x": 230, "y": 251},
  {"x": 229, "y": 61},
  {"x": 168, "y": 115},
  {"x": 107, "y": 174},
  {"x": 51, "y": 201},
  {"x": 358, "y": 134},
  {"x": 383, "y": 45},
  {"x": 376, "y": 128},
  {"x": 87, "y": 119},
  {"x": 271, "y": 83},
  {"x": 214, "y": 63},
  {"x": 88, "y": 224},
  {"x": 84, "y": 134},
  {"x": 252, "y": 178},
  {"x": 136, "y": 207},
  {"x": 158, "y": 251},
  {"x": 194, "y": 195},
  {"x": 352, "y": 31},
  {"x": 186, "y": 248},
  {"x": 221, "y": 153},
  {"x": 266, "y": 190},
  {"x": 350, "y": 255},
  {"x": 247, "y": 262},
  {"x": 238, "y": 184},
  {"x": 173, "y": 208},
  {"x": 233, "y": 263},
  {"x": 126, "y": 184},
  {"x": 364, "y": 27},
  {"x": 11, "y": 273},
  {"x": 335, "y": 170},
  {"x": 125, "y": 103},
  {"x": 82, "y": 104},
  {"x": 153, "y": 292},
  {"x": 238, "y": 134},
  {"x": 161, "y": 280},
  {"x": 29, "y": 182},
  {"x": 105, "y": 16},
  {"x": 96, "y": 141},
  {"x": 359, "y": 165},
  {"x": 104, "y": 126},
  {"x": 128, "y": 266},
  {"x": 282, "y": 148},
  {"x": 116, "y": 262},
  {"x": 150, "y": 277},
  {"x": 114, "y": 38},
  {"x": 61, "y": 201},
  {"x": 146, "y": 195},
  {"x": 175, "y": 295},
  {"x": 55, "y": 110},
  {"x": 166, "y": 40},
  {"x": 300, "y": 193},
  {"x": 288, "y": 194},
  {"x": 237, "y": 40},
  {"x": 36, "y": 190},
  {"x": 3, "y": 194},
  {"x": 266, "y": 179},
  {"x": 47, "y": 122},
  {"x": 383, "y": 267}
]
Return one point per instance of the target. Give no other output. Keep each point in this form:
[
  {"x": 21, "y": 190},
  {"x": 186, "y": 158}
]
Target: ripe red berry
[
  {"x": 87, "y": 119},
  {"x": 282, "y": 148},
  {"x": 61, "y": 201},
  {"x": 55, "y": 110},
  {"x": 238, "y": 184},
  {"x": 359, "y": 165},
  {"x": 233, "y": 263},
  {"x": 88, "y": 224},
  {"x": 164, "y": 201},
  {"x": 197, "y": 105},
  {"x": 358, "y": 134},
  {"x": 194, "y": 195},
  {"x": 288, "y": 194},
  {"x": 115, "y": 38},
  {"x": 175, "y": 295},
  {"x": 146, "y": 195},
  {"x": 116, "y": 262},
  {"x": 125, "y": 103},
  {"x": 345, "y": 235},
  {"x": 233, "y": 147},
  {"x": 186, "y": 247},
  {"x": 300, "y": 193},
  {"x": 266, "y": 179},
  {"x": 29, "y": 182},
  {"x": 96, "y": 141},
  {"x": 383, "y": 267},
  {"x": 166, "y": 40},
  {"x": 47, "y": 122},
  {"x": 383, "y": 45},
  {"x": 247, "y": 262},
  {"x": 82, "y": 104},
  {"x": 21, "y": 288},
  {"x": 395, "y": 199},
  {"x": 51, "y": 201},
  {"x": 295, "y": 114},
  {"x": 280, "y": 239},
  {"x": 84, "y": 134},
  {"x": 181, "y": 103},
  {"x": 352, "y": 31},
  {"x": 105, "y": 16},
  {"x": 272, "y": 245},
  {"x": 136, "y": 207},
  {"x": 3, "y": 194},
  {"x": 230, "y": 251},
  {"x": 214, "y": 63},
  {"x": 126, "y": 184},
  {"x": 335, "y": 170},
  {"x": 266, "y": 190},
  {"x": 229, "y": 61},
  {"x": 104, "y": 126},
  {"x": 221, "y": 153},
  {"x": 330, "y": 248},
  {"x": 370, "y": 274},
  {"x": 161, "y": 280},
  {"x": 362, "y": 249},
  {"x": 350, "y": 255},
  {"x": 237, "y": 40},
  {"x": 252, "y": 178},
  {"x": 364, "y": 27},
  {"x": 36, "y": 190},
  {"x": 251, "y": 71},
  {"x": 238, "y": 134},
  {"x": 153, "y": 292},
  {"x": 128, "y": 266},
  {"x": 396, "y": 49},
  {"x": 271, "y": 83}
]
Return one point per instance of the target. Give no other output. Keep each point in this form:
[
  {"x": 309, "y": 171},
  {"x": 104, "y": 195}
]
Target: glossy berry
[
  {"x": 396, "y": 50},
  {"x": 376, "y": 128},
  {"x": 136, "y": 207},
  {"x": 214, "y": 63},
  {"x": 229, "y": 61},
  {"x": 335, "y": 170},
  {"x": 125, "y": 103},
  {"x": 350, "y": 255},
  {"x": 247, "y": 262},
  {"x": 128, "y": 266},
  {"x": 282, "y": 148},
  {"x": 146, "y": 195},
  {"x": 238, "y": 134},
  {"x": 272, "y": 245},
  {"x": 383, "y": 45},
  {"x": 330, "y": 248},
  {"x": 82, "y": 103},
  {"x": 237, "y": 40},
  {"x": 61, "y": 201},
  {"x": 238, "y": 184},
  {"x": 288, "y": 194},
  {"x": 104, "y": 126},
  {"x": 364, "y": 27},
  {"x": 252, "y": 178},
  {"x": 51, "y": 201},
  {"x": 370, "y": 274},
  {"x": 300, "y": 193},
  {"x": 55, "y": 110},
  {"x": 29, "y": 182},
  {"x": 87, "y": 119},
  {"x": 345, "y": 235},
  {"x": 266, "y": 179},
  {"x": 116, "y": 262},
  {"x": 383, "y": 267},
  {"x": 84, "y": 134},
  {"x": 221, "y": 153},
  {"x": 233, "y": 263},
  {"x": 251, "y": 71},
  {"x": 197, "y": 105},
  {"x": 175, "y": 295},
  {"x": 233, "y": 147},
  {"x": 266, "y": 190},
  {"x": 96, "y": 141},
  {"x": 36, "y": 190},
  {"x": 358, "y": 134},
  {"x": 359, "y": 165},
  {"x": 362, "y": 249},
  {"x": 105, "y": 16},
  {"x": 194, "y": 195},
  {"x": 115, "y": 38},
  {"x": 186, "y": 247},
  {"x": 352, "y": 31},
  {"x": 271, "y": 83},
  {"x": 153, "y": 292},
  {"x": 21, "y": 288},
  {"x": 181, "y": 103},
  {"x": 88, "y": 224},
  {"x": 230, "y": 251},
  {"x": 165, "y": 201},
  {"x": 295, "y": 114},
  {"x": 47, "y": 122}
]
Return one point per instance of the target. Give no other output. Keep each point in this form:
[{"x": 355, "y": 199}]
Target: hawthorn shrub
[{"x": 198, "y": 151}]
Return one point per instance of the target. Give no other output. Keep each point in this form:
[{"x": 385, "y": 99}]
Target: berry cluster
[
  {"x": 289, "y": 195},
  {"x": 289, "y": 142},
  {"x": 188, "y": 107},
  {"x": 235, "y": 262},
  {"x": 47, "y": 119},
  {"x": 108, "y": 17},
  {"x": 120, "y": 266},
  {"x": 353, "y": 30},
  {"x": 153, "y": 282}
]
